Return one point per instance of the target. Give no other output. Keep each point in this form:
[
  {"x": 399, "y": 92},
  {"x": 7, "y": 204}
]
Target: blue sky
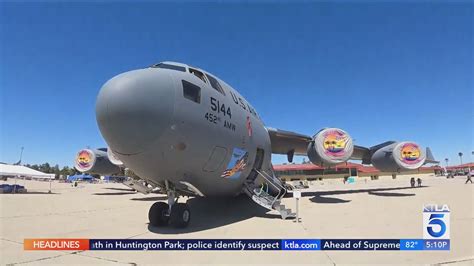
[{"x": 381, "y": 71}]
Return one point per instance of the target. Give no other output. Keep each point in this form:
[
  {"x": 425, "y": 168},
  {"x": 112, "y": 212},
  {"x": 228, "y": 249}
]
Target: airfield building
[{"x": 311, "y": 172}]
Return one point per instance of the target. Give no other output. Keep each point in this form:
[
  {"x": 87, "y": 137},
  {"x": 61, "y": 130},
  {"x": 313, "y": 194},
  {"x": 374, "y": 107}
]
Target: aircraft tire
[
  {"x": 158, "y": 214},
  {"x": 180, "y": 215}
]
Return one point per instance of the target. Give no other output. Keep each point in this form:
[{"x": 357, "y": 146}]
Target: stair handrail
[
  {"x": 268, "y": 179},
  {"x": 280, "y": 184},
  {"x": 271, "y": 178}
]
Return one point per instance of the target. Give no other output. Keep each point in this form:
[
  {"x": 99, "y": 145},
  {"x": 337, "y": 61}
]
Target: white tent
[{"x": 22, "y": 171}]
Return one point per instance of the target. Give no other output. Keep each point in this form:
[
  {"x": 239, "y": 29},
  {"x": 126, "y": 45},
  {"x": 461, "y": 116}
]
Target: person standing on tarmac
[{"x": 469, "y": 176}]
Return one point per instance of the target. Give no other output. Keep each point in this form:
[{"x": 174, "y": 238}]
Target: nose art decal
[{"x": 237, "y": 164}]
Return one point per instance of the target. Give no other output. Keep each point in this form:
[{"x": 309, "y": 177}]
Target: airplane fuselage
[
  {"x": 187, "y": 132},
  {"x": 180, "y": 124}
]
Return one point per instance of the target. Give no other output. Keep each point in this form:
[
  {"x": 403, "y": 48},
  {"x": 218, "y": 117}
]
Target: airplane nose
[{"x": 134, "y": 108}]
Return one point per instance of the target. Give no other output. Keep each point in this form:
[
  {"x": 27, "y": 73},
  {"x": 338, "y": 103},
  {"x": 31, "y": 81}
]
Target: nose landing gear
[{"x": 176, "y": 214}]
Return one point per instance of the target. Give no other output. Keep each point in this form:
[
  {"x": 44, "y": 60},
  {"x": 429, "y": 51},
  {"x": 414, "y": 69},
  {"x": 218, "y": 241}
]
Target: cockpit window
[
  {"x": 215, "y": 84},
  {"x": 191, "y": 91},
  {"x": 198, "y": 74},
  {"x": 168, "y": 66}
]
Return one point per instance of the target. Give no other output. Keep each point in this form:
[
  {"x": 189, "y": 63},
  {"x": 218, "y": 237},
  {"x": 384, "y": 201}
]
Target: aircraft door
[{"x": 257, "y": 164}]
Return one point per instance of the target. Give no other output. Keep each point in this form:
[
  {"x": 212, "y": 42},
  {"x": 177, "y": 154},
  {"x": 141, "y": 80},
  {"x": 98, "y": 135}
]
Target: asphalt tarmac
[{"x": 383, "y": 208}]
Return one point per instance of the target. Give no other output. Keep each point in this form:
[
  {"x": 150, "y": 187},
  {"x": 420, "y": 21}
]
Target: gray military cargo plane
[{"x": 188, "y": 133}]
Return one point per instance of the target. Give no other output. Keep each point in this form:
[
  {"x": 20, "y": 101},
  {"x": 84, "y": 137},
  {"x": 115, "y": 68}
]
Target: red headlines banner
[{"x": 56, "y": 244}]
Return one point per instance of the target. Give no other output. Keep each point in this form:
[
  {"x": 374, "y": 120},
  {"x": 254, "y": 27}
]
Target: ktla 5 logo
[{"x": 436, "y": 221}]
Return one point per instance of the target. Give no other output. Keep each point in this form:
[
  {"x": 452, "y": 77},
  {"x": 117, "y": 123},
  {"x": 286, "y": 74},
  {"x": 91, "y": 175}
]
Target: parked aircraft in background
[{"x": 187, "y": 132}]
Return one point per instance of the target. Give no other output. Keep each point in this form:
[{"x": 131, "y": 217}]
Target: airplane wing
[
  {"x": 284, "y": 142},
  {"x": 291, "y": 143}
]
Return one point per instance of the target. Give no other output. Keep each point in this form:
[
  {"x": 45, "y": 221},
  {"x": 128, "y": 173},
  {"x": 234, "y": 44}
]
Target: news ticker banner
[{"x": 237, "y": 244}]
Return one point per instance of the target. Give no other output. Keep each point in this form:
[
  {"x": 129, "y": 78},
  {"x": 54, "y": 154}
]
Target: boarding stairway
[{"x": 266, "y": 200}]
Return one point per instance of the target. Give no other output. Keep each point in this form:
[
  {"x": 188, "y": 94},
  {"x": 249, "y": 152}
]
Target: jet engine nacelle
[
  {"x": 95, "y": 162},
  {"x": 399, "y": 156},
  {"x": 330, "y": 146}
]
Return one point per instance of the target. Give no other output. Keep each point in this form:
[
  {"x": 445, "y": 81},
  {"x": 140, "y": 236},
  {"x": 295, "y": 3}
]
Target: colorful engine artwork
[
  {"x": 410, "y": 153},
  {"x": 335, "y": 142},
  {"x": 237, "y": 164},
  {"x": 84, "y": 159}
]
